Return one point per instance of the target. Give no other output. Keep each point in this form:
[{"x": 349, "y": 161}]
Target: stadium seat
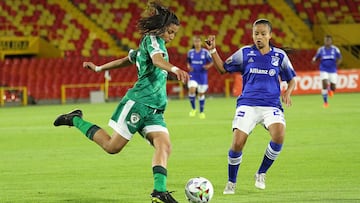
[
  {"x": 230, "y": 20},
  {"x": 329, "y": 11}
]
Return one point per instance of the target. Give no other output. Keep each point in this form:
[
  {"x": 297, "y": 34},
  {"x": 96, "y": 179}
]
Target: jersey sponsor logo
[
  {"x": 258, "y": 71},
  {"x": 197, "y": 62},
  {"x": 328, "y": 57},
  {"x": 270, "y": 72}
]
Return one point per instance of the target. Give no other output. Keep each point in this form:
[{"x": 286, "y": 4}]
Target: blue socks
[
  {"x": 234, "y": 160},
  {"x": 202, "y": 103},
  {"x": 271, "y": 153},
  {"x": 324, "y": 93},
  {"x": 192, "y": 100}
]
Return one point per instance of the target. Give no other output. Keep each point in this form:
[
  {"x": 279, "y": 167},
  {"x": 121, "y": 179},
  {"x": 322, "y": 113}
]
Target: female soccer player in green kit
[{"x": 141, "y": 109}]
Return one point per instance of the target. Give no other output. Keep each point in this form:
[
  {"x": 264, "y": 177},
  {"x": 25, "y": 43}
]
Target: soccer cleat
[
  {"x": 202, "y": 115},
  {"x": 326, "y": 105},
  {"x": 162, "y": 197},
  {"x": 229, "y": 188},
  {"x": 260, "y": 180},
  {"x": 192, "y": 113},
  {"x": 67, "y": 119},
  {"x": 331, "y": 93}
]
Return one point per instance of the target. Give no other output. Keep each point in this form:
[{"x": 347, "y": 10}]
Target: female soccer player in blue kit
[
  {"x": 330, "y": 58},
  {"x": 198, "y": 62},
  {"x": 261, "y": 66}
]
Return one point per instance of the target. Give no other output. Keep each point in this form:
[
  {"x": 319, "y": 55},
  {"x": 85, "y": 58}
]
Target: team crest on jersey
[
  {"x": 272, "y": 72},
  {"x": 275, "y": 60},
  {"x": 134, "y": 118}
]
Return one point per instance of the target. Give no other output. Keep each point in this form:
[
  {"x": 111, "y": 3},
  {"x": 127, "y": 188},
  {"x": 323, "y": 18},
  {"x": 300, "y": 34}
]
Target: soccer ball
[{"x": 199, "y": 190}]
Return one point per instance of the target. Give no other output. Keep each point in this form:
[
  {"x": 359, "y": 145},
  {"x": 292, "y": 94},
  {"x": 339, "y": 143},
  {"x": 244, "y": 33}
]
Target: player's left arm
[
  {"x": 159, "y": 61},
  {"x": 339, "y": 57},
  {"x": 208, "y": 61},
  {"x": 287, "y": 73},
  {"x": 286, "y": 99},
  {"x": 338, "y": 61},
  {"x": 208, "y": 65}
]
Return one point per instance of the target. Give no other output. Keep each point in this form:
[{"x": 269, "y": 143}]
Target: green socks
[
  {"x": 87, "y": 128},
  {"x": 160, "y": 174}
]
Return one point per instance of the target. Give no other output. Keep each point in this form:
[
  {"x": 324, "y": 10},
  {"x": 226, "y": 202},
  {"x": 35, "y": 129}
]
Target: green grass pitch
[{"x": 319, "y": 162}]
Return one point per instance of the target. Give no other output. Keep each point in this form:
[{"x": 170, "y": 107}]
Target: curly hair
[{"x": 156, "y": 19}]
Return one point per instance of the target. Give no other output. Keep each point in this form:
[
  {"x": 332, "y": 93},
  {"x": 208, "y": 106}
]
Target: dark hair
[
  {"x": 156, "y": 19},
  {"x": 263, "y": 21},
  {"x": 328, "y": 36}
]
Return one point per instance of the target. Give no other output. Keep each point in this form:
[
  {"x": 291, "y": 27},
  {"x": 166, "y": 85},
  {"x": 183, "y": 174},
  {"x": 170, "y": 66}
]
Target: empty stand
[
  {"x": 329, "y": 11},
  {"x": 231, "y": 21},
  {"x": 49, "y": 20}
]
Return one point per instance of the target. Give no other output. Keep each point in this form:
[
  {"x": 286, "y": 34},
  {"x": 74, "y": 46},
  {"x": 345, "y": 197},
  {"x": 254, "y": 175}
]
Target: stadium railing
[
  {"x": 105, "y": 88},
  {"x": 20, "y": 93}
]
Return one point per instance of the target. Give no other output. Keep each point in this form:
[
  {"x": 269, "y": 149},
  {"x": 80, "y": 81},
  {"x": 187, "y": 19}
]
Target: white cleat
[
  {"x": 229, "y": 188},
  {"x": 260, "y": 180}
]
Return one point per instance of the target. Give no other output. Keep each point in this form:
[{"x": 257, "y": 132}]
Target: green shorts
[{"x": 131, "y": 117}]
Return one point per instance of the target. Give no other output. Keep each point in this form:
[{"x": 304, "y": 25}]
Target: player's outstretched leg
[
  {"x": 162, "y": 197},
  {"x": 67, "y": 119}
]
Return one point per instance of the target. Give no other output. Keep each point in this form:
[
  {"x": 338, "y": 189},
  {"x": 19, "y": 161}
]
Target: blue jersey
[
  {"x": 328, "y": 58},
  {"x": 260, "y": 74},
  {"x": 197, "y": 60}
]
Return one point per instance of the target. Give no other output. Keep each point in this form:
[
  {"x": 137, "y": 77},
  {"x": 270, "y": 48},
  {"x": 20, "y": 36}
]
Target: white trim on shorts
[
  {"x": 200, "y": 88},
  {"x": 247, "y": 117},
  {"x": 120, "y": 126},
  {"x": 154, "y": 128}
]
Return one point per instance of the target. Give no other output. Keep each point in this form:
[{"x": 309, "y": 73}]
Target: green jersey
[{"x": 150, "y": 89}]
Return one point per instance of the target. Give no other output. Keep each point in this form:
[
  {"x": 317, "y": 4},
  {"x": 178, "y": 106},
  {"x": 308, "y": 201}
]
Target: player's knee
[
  {"x": 237, "y": 146},
  {"x": 278, "y": 137},
  {"x": 167, "y": 149},
  {"x": 111, "y": 149},
  {"x": 333, "y": 87}
]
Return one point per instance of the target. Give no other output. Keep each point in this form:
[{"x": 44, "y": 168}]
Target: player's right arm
[
  {"x": 118, "y": 63},
  {"x": 189, "y": 67},
  {"x": 317, "y": 55},
  {"x": 218, "y": 62}
]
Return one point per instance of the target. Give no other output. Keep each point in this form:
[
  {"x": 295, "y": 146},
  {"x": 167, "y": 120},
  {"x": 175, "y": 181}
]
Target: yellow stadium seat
[
  {"x": 334, "y": 4},
  {"x": 344, "y": 8}
]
